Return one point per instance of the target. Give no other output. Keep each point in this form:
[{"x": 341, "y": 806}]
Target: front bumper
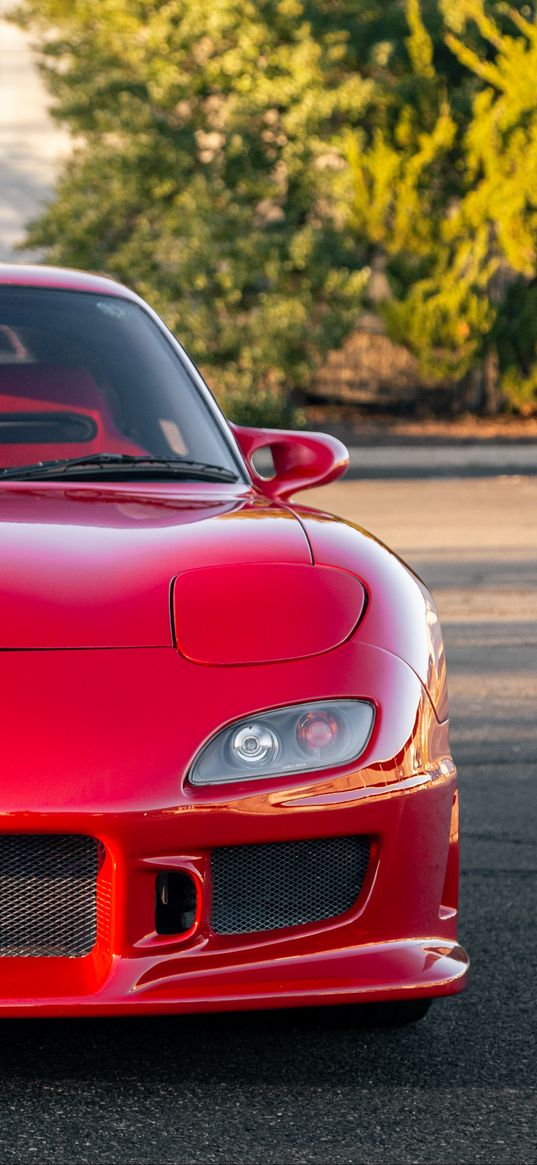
[{"x": 122, "y": 783}]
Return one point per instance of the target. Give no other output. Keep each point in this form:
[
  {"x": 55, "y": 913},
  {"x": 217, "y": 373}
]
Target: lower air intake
[
  {"x": 48, "y": 888},
  {"x": 290, "y": 883}
]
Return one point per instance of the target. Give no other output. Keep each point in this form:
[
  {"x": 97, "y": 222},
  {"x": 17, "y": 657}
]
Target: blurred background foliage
[{"x": 245, "y": 163}]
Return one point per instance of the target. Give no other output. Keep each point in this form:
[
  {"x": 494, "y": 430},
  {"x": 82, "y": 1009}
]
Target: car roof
[{"x": 61, "y": 278}]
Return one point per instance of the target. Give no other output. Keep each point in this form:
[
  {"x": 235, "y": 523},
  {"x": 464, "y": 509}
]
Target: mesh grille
[
  {"x": 266, "y": 887},
  {"x": 48, "y": 895}
]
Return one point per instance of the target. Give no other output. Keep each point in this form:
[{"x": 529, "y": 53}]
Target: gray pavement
[
  {"x": 433, "y": 460},
  {"x": 313, "y": 1086}
]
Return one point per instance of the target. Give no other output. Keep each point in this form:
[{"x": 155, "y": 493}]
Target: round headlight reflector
[
  {"x": 318, "y": 732},
  {"x": 254, "y": 744}
]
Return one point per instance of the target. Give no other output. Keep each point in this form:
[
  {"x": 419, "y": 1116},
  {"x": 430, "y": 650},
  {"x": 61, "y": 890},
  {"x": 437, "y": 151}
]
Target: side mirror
[{"x": 300, "y": 459}]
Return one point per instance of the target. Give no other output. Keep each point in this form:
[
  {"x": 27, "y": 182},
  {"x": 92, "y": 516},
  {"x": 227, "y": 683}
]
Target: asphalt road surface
[{"x": 313, "y": 1086}]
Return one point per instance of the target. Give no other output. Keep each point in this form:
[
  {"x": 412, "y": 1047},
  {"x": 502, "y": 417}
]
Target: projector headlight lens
[{"x": 254, "y": 744}]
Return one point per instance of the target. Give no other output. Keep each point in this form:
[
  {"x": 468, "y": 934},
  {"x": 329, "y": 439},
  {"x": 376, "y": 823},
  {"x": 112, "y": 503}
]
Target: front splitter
[{"x": 403, "y": 969}]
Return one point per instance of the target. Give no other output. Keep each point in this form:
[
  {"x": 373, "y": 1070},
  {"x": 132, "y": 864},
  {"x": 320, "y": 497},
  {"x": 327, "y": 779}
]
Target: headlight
[{"x": 297, "y": 739}]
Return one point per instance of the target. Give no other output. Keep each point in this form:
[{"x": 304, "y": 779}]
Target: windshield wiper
[{"x": 112, "y": 464}]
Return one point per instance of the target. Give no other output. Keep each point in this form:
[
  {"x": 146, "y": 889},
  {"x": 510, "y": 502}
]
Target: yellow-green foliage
[
  {"x": 448, "y": 191},
  {"x": 501, "y": 140}
]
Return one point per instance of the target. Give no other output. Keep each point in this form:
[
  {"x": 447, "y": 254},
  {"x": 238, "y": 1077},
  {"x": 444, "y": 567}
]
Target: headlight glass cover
[{"x": 299, "y": 738}]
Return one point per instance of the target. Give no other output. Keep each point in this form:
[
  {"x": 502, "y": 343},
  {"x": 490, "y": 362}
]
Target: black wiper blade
[{"x": 100, "y": 464}]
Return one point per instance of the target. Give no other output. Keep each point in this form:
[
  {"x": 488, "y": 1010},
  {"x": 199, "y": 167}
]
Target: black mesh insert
[
  {"x": 48, "y": 894},
  {"x": 289, "y": 883}
]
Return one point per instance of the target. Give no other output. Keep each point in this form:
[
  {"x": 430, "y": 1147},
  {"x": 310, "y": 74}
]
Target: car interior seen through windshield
[{"x": 91, "y": 379}]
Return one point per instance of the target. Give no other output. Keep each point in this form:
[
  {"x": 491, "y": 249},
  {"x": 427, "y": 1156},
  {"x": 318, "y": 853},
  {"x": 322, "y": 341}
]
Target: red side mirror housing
[{"x": 300, "y": 459}]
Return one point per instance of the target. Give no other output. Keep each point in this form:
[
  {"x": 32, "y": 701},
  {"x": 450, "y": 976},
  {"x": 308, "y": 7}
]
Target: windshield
[{"x": 84, "y": 374}]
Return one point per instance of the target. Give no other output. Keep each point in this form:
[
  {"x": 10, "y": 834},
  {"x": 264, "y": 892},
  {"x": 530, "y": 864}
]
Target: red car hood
[{"x": 92, "y": 566}]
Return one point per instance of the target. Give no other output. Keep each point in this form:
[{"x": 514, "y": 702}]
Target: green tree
[
  {"x": 445, "y": 187},
  {"x": 206, "y": 172}
]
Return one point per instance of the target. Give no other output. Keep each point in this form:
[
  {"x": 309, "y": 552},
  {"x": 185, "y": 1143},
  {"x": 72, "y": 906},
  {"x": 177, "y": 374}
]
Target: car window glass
[{"x": 83, "y": 374}]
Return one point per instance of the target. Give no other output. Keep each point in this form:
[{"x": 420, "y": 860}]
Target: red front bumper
[{"x": 96, "y": 757}]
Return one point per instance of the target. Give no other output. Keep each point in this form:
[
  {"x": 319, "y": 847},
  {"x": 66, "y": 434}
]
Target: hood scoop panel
[{"x": 262, "y": 613}]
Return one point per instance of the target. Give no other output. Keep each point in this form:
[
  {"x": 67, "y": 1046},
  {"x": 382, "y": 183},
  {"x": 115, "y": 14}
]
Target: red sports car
[{"x": 226, "y": 779}]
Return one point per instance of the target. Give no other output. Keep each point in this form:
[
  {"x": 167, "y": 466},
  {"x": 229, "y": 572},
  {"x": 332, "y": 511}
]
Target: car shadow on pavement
[{"x": 306, "y": 1046}]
